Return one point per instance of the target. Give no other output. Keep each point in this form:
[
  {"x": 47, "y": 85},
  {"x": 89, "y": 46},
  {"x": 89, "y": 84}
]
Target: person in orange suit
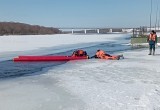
[
  {"x": 102, "y": 55},
  {"x": 79, "y": 53}
]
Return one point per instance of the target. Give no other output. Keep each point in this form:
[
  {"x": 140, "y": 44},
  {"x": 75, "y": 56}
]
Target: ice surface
[{"x": 129, "y": 84}]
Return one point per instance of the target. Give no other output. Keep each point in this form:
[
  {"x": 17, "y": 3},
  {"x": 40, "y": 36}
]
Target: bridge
[{"x": 86, "y": 30}]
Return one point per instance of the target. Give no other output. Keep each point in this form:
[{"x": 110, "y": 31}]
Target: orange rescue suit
[
  {"x": 102, "y": 55},
  {"x": 152, "y": 37}
]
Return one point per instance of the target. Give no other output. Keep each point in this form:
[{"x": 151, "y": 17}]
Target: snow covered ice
[{"x": 129, "y": 84}]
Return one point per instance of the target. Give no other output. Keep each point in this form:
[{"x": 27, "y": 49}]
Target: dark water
[
  {"x": 14, "y": 69},
  {"x": 9, "y": 69}
]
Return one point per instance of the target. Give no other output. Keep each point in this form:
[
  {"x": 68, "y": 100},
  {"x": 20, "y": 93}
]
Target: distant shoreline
[{"x": 14, "y": 28}]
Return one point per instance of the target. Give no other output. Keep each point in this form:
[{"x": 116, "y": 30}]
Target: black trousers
[{"x": 152, "y": 46}]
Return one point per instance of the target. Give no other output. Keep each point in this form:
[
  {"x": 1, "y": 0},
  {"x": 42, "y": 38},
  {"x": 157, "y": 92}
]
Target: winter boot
[
  {"x": 153, "y": 52},
  {"x": 150, "y": 51}
]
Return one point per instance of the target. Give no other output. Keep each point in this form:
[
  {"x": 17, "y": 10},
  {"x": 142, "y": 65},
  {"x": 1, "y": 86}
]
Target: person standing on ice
[{"x": 152, "y": 40}]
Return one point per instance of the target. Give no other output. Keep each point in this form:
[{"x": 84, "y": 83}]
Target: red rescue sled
[{"x": 47, "y": 58}]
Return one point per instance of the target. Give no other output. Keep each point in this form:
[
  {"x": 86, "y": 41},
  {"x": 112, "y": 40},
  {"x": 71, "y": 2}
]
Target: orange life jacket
[
  {"x": 79, "y": 53},
  {"x": 100, "y": 54},
  {"x": 152, "y": 37}
]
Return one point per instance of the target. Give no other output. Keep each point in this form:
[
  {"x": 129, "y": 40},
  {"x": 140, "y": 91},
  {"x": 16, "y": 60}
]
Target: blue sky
[{"x": 79, "y": 13}]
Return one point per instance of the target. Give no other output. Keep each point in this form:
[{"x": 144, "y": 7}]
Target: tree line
[{"x": 12, "y": 28}]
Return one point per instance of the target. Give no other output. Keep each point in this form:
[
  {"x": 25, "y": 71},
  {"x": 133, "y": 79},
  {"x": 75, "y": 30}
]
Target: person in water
[
  {"x": 102, "y": 55},
  {"x": 79, "y": 53}
]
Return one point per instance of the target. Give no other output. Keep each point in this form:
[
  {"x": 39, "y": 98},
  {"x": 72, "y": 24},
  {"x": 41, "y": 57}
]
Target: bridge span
[{"x": 94, "y": 30}]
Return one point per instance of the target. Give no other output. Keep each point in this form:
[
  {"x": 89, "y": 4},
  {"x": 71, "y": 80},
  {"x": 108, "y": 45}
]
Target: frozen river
[
  {"x": 29, "y": 68},
  {"x": 129, "y": 84}
]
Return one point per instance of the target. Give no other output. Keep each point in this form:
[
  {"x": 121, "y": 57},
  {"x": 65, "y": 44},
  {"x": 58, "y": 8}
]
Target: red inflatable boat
[{"x": 47, "y": 58}]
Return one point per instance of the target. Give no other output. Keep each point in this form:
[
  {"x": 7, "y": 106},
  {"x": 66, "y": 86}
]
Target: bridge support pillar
[
  {"x": 72, "y": 31},
  {"x": 110, "y": 30},
  {"x": 98, "y": 31},
  {"x": 85, "y": 31}
]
